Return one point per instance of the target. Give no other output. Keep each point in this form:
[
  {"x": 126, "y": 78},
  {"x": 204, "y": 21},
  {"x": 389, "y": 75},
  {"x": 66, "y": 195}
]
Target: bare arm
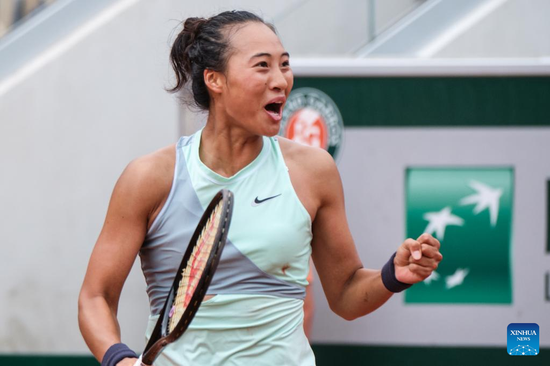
[
  {"x": 351, "y": 290},
  {"x": 137, "y": 197}
]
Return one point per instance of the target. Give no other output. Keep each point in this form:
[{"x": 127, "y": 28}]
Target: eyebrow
[{"x": 262, "y": 54}]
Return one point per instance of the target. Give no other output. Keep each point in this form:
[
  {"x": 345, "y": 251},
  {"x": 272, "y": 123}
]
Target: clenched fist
[{"x": 417, "y": 259}]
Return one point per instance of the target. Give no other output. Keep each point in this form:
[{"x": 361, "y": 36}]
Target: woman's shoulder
[
  {"x": 155, "y": 166},
  {"x": 149, "y": 178}
]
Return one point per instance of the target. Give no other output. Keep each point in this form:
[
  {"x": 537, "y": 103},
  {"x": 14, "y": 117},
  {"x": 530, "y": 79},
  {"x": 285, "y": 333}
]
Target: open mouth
[{"x": 274, "y": 109}]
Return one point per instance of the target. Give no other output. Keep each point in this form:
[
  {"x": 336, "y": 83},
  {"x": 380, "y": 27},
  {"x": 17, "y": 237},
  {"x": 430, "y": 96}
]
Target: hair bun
[
  {"x": 182, "y": 54},
  {"x": 192, "y": 26}
]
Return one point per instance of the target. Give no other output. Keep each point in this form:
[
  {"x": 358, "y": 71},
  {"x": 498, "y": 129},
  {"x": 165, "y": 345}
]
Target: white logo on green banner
[{"x": 470, "y": 212}]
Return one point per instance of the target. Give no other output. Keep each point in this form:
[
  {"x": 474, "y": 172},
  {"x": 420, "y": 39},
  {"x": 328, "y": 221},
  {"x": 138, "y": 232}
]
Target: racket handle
[{"x": 139, "y": 363}]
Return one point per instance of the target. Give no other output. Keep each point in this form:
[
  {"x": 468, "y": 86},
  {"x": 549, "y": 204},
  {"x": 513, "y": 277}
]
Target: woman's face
[{"x": 258, "y": 79}]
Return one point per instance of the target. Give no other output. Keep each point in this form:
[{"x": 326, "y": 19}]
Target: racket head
[{"x": 211, "y": 233}]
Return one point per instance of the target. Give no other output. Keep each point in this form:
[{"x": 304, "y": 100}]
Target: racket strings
[{"x": 192, "y": 272}]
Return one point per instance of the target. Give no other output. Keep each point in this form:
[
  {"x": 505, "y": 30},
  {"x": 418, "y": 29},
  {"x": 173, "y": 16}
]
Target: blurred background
[{"x": 442, "y": 124}]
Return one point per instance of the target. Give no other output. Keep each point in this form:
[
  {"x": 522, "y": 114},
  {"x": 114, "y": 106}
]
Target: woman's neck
[{"x": 227, "y": 149}]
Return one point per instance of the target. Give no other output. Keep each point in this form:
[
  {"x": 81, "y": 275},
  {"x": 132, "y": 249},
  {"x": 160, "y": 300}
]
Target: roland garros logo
[{"x": 311, "y": 118}]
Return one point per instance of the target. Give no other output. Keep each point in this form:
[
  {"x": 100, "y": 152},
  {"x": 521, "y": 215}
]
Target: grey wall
[
  {"x": 388, "y": 12},
  {"x": 515, "y": 29},
  {"x": 66, "y": 133}
]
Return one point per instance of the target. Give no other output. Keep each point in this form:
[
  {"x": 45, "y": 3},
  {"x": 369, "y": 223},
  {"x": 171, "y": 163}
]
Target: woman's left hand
[{"x": 417, "y": 259}]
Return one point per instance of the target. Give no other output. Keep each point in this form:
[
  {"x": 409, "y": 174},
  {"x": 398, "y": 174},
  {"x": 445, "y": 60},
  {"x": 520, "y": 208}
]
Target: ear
[{"x": 214, "y": 80}]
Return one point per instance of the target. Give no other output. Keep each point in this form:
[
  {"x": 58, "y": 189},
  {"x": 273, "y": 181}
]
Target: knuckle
[{"x": 427, "y": 249}]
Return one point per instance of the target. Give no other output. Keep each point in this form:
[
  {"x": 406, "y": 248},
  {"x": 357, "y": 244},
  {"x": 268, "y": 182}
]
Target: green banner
[
  {"x": 470, "y": 212},
  {"x": 437, "y": 101}
]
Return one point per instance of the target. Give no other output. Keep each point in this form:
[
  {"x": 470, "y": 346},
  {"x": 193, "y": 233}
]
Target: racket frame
[{"x": 159, "y": 337}]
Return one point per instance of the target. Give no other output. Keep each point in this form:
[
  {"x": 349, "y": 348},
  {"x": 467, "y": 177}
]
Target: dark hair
[{"x": 204, "y": 44}]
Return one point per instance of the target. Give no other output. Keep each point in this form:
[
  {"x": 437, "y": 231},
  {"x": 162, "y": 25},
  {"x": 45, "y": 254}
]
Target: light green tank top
[{"x": 257, "y": 314}]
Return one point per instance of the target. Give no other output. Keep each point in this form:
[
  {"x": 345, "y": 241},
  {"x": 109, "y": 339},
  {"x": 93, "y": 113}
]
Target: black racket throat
[{"x": 161, "y": 336}]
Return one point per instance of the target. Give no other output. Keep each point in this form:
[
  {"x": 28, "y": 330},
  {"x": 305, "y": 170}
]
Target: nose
[{"x": 278, "y": 80}]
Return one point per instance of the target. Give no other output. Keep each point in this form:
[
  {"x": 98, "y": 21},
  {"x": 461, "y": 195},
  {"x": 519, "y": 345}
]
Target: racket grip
[{"x": 139, "y": 363}]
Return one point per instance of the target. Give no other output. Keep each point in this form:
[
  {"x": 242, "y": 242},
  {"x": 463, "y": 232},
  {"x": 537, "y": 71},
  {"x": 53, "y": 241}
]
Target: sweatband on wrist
[
  {"x": 116, "y": 353},
  {"x": 389, "y": 279}
]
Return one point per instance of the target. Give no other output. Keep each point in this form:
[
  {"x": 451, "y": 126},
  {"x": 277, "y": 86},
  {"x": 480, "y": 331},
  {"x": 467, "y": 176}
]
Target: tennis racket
[{"x": 193, "y": 276}]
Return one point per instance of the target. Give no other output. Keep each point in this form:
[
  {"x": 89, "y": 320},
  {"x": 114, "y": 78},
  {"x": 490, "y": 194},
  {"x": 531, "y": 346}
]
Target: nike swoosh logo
[{"x": 257, "y": 201}]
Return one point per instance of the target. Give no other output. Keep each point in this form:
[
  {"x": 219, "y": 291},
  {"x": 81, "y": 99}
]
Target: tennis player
[{"x": 289, "y": 205}]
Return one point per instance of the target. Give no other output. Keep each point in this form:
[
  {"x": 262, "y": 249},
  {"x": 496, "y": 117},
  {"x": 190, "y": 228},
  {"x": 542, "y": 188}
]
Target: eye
[
  {"x": 286, "y": 63},
  {"x": 262, "y": 64}
]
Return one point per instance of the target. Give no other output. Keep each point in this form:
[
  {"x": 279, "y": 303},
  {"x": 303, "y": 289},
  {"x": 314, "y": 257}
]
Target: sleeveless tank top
[{"x": 256, "y": 314}]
